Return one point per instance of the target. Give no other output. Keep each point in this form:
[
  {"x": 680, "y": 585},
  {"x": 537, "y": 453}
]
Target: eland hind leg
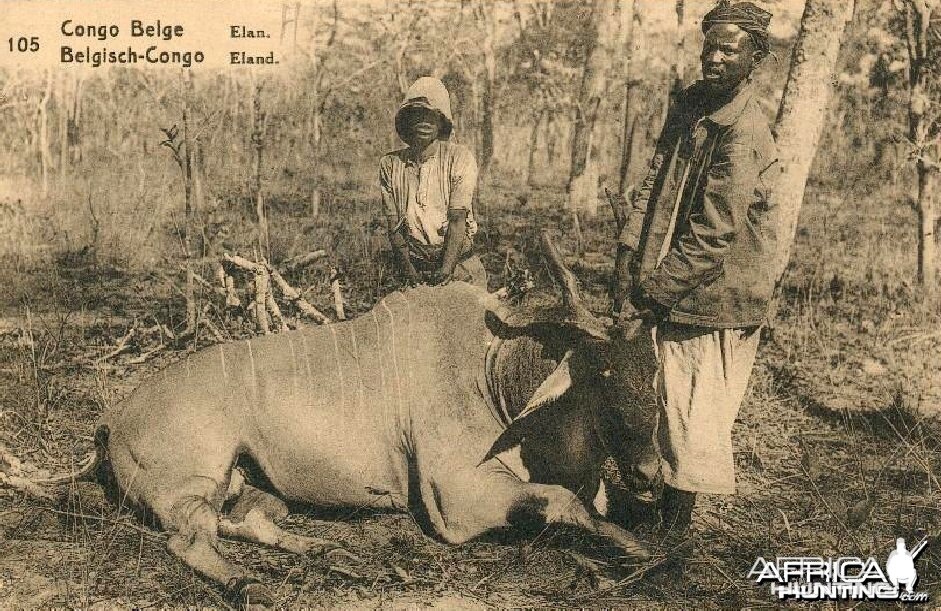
[
  {"x": 191, "y": 515},
  {"x": 253, "y": 518},
  {"x": 257, "y": 527},
  {"x": 187, "y": 506}
]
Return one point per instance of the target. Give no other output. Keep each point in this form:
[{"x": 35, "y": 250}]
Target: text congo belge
[{"x": 138, "y": 29}]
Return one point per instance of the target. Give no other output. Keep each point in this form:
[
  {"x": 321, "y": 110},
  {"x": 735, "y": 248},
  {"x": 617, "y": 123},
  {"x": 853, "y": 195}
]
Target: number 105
[{"x": 23, "y": 44}]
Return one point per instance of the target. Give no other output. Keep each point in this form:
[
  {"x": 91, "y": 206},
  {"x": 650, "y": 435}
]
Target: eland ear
[
  {"x": 558, "y": 382},
  {"x": 553, "y": 387}
]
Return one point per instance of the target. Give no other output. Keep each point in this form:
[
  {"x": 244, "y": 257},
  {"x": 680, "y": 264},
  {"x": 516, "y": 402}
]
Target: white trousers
[{"x": 701, "y": 379}]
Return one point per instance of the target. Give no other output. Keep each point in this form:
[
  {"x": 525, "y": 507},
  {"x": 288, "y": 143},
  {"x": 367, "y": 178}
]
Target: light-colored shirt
[{"x": 419, "y": 192}]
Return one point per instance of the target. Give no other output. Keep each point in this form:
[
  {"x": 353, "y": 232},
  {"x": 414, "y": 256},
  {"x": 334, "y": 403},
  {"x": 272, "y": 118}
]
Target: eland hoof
[{"x": 249, "y": 593}]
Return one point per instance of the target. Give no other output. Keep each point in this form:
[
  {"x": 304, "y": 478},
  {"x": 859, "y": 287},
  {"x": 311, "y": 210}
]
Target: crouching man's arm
[
  {"x": 462, "y": 182},
  {"x": 402, "y": 259},
  {"x": 453, "y": 244},
  {"x": 395, "y": 223}
]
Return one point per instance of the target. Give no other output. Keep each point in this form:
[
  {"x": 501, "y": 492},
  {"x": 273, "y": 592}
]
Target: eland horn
[{"x": 571, "y": 300}]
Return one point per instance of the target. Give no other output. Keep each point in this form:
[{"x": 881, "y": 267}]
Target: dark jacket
[{"x": 715, "y": 268}]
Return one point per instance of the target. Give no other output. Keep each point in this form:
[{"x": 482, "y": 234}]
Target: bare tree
[
  {"x": 315, "y": 94},
  {"x": 802, "y": 112},
  {"x": 290, "y": 16},
  {"x": 538, "y": 116},
  {"x": 182, "y": 150},
  {"x": 318, "y": 95},
  {"x": 583, "y": 175},
  {"x": 63, "y": 112},
  {"x": 631, "y": 84},
  {"x": 258, "y": 146},
  {"x": 68, "y": 107},
  {"x": 401, "y": 29},
  {"x": 487, "y": 19},
  {"x": 677, "y": 62},
  {"x": 42, "y": 112},
  {"x": 924, "y": 130}
]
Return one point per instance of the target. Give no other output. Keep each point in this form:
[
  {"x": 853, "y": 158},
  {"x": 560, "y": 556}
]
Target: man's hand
[
  {"x": 638, "y": 315},
  {"x": 648, "y": 308},
  {"x": 400, "y": 248},
  {"x": 453, "y": 240},
  {"x": 627, "y": 314}
]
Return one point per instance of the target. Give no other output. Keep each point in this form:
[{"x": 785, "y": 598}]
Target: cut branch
[
  {"x": 292, "y": 295},
  {"x": 301, "y": 261},
  {"x": 337, "y": 294},
  {"x": 277, "y": 318},
  {"x": 121, "y": 347},
  {"x": 205, "y": 283},
  {"x": 261, "y": 300}
]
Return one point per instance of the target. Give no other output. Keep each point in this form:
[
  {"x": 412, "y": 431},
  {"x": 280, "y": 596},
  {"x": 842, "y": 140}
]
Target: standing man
[
  {"x": 428, "y": 190},
  {"x": 695, "y": 262}
]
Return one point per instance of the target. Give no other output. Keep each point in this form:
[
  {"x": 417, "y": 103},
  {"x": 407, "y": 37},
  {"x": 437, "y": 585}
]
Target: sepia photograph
[{"x": 470, "y": 304}]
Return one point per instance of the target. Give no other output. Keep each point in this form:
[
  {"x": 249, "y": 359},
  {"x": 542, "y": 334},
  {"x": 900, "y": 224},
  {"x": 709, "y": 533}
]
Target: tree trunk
[
  {"x": 199, "y": 174},
  {"x": 533, "y": 141},
  {"x": 630, "y": 102},
  {"x": 258, "y": 143},
  {"x": 75, "y": 120},
  {"x": 314, "y": 122},
  {"x": 583, "y": 173},
  {"x": 918, "y": 16},
  {"x": 630, "y": 154},
  {"x": 289, "y": 19},
  {"x": 679, "y": 60},
  {"x": 476, "y": 103},
  {"x": 318, "y": 101},
  {"x": 233, "y": 94},
  {"x": 803, "y": 108},
  {"x": 551, "y": 136},
  {"x": 64, "y": 113},
  {"x": 45, "y": 157},
  {"x": 927, "y": 266},
  {"x": 487, "y": 100},
  {"x": 398, "y": 63},
  {"x": 316, "y": 93},
  {"x": 189, "y": 210},
  {"x": 677, "y": 63}
]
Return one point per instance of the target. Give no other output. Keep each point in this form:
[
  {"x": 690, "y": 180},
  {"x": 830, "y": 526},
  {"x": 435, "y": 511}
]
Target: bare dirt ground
[{"x": 817, "y": 475}]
